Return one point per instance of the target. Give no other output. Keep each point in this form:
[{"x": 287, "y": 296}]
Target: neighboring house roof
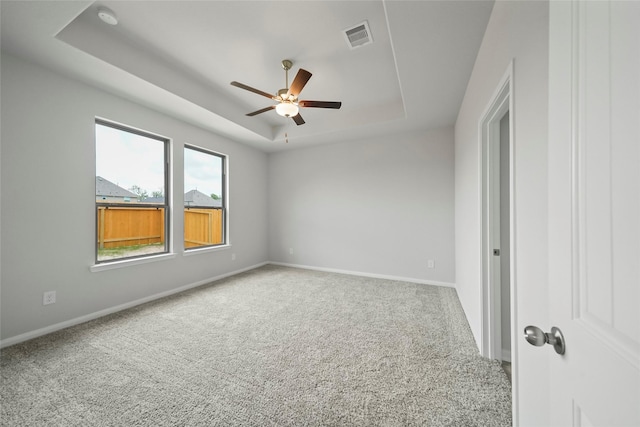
[
  {"x": 196, "y": 198},
  {"x": 153, "y": 200},
  {"x": 106, "y": 188}
]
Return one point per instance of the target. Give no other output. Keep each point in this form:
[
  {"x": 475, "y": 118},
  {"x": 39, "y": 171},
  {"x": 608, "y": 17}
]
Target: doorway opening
[
  {"x": 496, "y": 181},
  {"x": 505, "y": 245}
]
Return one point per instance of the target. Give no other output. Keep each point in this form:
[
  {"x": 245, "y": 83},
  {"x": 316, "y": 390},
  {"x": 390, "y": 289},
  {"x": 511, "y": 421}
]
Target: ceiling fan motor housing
[{"x": 282, "y": 93}]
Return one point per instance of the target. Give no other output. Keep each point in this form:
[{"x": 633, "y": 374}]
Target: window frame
[
  {"x": 167, "y": 196},
  {"x": 223, "y": 197}
]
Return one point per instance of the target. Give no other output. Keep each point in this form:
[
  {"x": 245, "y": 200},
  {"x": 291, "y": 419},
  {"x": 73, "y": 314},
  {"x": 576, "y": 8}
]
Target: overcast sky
[{"x": 128, "y": 159}]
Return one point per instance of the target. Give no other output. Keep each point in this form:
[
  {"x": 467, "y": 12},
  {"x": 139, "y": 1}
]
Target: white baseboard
[
  {"x": 363, "y": 274},
  {"x": 91, "y": 316}
]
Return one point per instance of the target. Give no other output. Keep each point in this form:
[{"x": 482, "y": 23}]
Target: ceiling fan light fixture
[{"x": 287, "y": 109}]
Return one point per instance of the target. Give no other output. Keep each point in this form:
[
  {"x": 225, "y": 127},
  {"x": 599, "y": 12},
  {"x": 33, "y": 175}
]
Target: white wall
[
  {"x": 382, "y": 206},
  {"x": 48, "y": 214},
  {"x": 517, "y": 30}
]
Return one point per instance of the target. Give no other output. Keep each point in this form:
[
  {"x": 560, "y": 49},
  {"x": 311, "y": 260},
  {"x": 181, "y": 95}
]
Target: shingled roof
[
  {"x": 106, "y": 188},
  {"x": 196, "y": 198}
]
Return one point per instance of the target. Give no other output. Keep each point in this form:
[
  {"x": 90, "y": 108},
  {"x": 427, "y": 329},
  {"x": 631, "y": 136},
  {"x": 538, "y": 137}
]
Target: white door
[{"x": 594, "y": 212}]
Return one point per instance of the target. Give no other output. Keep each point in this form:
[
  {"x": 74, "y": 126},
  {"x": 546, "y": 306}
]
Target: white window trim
[
  {"x": 129, "y": 262},
  {"x": 206, "y": 249}
]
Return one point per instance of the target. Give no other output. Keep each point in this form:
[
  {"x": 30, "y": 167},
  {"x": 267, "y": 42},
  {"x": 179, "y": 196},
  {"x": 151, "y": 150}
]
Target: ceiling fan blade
[
  {"x": 320, "y": 104},
  {"x": 264, "y": 110},
  {"x": 251, "y": 89},
  {"x": 301, "y": 79},
  {"x": 298, "y": 119}
]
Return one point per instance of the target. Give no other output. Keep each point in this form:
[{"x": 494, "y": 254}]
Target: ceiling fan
[{"x": 287, "y": 99}]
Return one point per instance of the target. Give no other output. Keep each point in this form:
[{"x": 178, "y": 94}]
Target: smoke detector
[
  {"x": 107, "y": 16},
  {"x": 358, "y": 36}
]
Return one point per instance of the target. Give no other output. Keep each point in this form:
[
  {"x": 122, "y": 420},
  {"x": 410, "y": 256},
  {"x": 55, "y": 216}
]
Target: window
[
  {"x": 204, "y": 198},
  {"x": 132, "y": 211}
]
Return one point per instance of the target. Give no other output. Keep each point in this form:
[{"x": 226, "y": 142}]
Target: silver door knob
[{"x": 536, "y": 336}]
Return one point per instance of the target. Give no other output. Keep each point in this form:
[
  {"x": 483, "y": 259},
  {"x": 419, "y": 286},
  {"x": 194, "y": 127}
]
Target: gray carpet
[{"x": 274, "y": 346}]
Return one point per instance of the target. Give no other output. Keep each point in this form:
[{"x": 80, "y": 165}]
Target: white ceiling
[{"x": 179, "y": 57}]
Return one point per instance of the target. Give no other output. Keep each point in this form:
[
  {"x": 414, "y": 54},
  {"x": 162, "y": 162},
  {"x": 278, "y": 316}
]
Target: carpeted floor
[{"x": 274, "y": 346}]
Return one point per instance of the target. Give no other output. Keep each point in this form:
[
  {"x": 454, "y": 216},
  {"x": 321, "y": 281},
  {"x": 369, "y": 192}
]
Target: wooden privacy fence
[
  {"x": 202, "y": 227},
  {"x": 131, "y": 226},
  {"x": 123, "y": 226}
]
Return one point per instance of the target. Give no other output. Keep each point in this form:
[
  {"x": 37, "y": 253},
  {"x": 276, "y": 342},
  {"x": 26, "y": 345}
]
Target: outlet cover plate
[{"x": 49, "y": 298}]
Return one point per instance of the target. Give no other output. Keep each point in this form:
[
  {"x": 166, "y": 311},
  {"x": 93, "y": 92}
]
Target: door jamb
[{"x": 501, "y": 101}]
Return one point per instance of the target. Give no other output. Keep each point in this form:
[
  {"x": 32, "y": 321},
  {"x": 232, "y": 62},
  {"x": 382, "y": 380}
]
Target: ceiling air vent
[{"x": 359, "y": 35}]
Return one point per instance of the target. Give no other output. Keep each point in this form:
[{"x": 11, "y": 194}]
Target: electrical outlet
[
  {"x": 290, "y": 251},
  {"x": 233, "y": 257},
  {"x": 431, "y": 264},
  {"x": 49, "y": 298}
]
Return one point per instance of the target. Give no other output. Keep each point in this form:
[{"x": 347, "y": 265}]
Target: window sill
[
  {"x": 128, "y": 262},
  {"x": 206, "y": 250}
]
